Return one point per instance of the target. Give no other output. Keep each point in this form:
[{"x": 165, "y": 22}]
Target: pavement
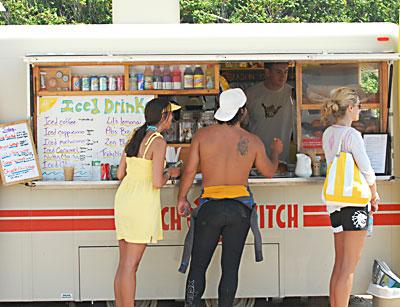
[{"x": 259, "y": 302}]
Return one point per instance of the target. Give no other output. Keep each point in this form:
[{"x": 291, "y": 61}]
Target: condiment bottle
[
  {"x": 148, "y": 78},
  {"x": 157, "y": 78},
  {"x": 198, "y": 77},
  {"x": 176, "y": 78},
  {"x": 188, "y": 77},
  {"x": 167, "y": 78},
  {"x": 210, "y": 77},
  {"x": 317, "y": 166}
]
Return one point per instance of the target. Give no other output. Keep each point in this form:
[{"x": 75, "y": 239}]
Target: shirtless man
[{"x": 226, "y": 153}]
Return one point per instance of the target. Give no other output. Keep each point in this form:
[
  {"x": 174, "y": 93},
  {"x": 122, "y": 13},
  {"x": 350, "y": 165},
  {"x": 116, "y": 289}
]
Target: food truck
[{"x": 83, "y": 89}]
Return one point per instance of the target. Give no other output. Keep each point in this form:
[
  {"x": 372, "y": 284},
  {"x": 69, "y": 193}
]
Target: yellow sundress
[{"x": 137, "y": 206}]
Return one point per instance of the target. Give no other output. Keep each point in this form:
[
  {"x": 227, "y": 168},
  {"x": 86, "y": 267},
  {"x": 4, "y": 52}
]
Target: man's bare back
[{"x": 227, "y": 154}]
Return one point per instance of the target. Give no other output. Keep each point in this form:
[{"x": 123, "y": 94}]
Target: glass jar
[
  {"x": 187, "y": 127},
  {"x": 206, "y": 119},
  {"x": 171, "y": 135}
]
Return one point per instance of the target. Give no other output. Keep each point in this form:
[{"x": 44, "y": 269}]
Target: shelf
[
  {"x": 144, "y": 92},
  {"x": 241, "y": 69},
  {"x": 318, "y": 106}
]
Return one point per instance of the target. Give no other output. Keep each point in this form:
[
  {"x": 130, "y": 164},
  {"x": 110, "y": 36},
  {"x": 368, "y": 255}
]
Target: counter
[{"x": 112, "y": 184}]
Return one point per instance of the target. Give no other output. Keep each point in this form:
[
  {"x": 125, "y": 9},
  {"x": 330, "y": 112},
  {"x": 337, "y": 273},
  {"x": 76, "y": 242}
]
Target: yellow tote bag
[{"x": 344, "y": 184}]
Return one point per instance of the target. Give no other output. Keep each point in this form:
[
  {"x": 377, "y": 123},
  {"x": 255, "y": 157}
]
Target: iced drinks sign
[
  {"x": 74, "y": 131},
  {"x": 18, "y": 161}
]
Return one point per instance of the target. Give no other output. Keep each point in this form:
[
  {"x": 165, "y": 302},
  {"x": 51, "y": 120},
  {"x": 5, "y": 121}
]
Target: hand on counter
[{"x": 174, "y": 172}]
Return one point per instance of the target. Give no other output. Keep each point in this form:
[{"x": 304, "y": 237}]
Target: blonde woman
[
  {"x": 343, "y": 108},
  {"x": 137, "y": 201}
]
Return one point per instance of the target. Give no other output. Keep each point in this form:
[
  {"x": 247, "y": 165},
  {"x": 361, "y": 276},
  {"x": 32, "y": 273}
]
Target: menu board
[
  {"x": 78, "y": 130},
  {"x": 18, "y": 159}
]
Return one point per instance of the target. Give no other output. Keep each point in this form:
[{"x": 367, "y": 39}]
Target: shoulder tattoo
[{"x": 243, "y": 146}]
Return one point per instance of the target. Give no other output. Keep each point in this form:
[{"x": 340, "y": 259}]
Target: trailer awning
[{"x": 115, "y": 58}]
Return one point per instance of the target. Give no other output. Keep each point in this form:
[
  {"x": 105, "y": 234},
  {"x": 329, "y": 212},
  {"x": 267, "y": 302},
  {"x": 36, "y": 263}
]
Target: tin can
[
  {"x": 43, "y": 80},
  {"x": 105, "y": 171},
  {"x": 94, "y": 83},
  {"x": 112, "y": 83},
  {"x": 85, "y": 83},
  {"x": 132, "y": 82},
  {"x": 76, "y": 83},
  {"x": 120, "y": 83},
  {"x": 140, "y": 82},
  {"x": 113, "y": 172},
  {"x": 103, "y": 83}
]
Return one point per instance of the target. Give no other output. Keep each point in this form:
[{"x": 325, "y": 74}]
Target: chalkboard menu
[
  {"x": 76, "y": 131},
  {"x": 18, "y": 160}
]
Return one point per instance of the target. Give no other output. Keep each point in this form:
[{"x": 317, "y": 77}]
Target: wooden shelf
[
  {"x": 241, "y": 69},
  {"x": 144, "y": 92},
  {"x": 318, "y": 106}
]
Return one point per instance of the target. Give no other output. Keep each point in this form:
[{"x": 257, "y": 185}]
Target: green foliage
[
  {"x": 370, "y": 82},
  {"x": 261, "y": 11},
  {"x": 56, "y": 12},
  {"x": 207, "y": 11}
]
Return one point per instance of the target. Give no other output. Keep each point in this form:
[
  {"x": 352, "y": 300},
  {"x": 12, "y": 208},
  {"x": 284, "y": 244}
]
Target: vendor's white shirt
[{"x": 353, "y": 143}]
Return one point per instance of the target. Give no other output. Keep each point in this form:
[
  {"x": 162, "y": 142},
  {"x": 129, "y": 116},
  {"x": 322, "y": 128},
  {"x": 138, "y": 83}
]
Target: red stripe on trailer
[
  {"x": 62, "y": 212},
  {"x": 319, "y": 208},
  {"x": 322, "y": 208},
  {"x": 56, "y": 225},
  {"x": 389, "y": 207},
  {"x": 316, "y": 220},
  {"x": 387, "y": 219}
]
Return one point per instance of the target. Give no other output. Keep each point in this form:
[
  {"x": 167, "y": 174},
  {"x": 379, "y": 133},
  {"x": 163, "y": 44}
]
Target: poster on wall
[
  {"x": 85, "y": 131},
  {"x": 18, "y": 158}
]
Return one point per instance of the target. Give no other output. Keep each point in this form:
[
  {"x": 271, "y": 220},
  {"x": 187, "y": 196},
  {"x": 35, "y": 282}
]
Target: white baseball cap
[{"x": 230, "y": 101}]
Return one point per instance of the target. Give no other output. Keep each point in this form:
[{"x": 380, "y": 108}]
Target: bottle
[
  {"x": 157, "y": 78},
  {"x": 96, "y": 170},
  {"x": 188, "y": 77},
  {"x": 198, "y": 77},
  {"x": 210, "y": 77},
  {"x": 370, "y": 225},
  {"x": 148, "y": 78},
  {"x": 167, "y": 78},
  {"x": 176, "y": 78},
  {"x": 316, "y": 165},
  {"x": 133, "y": 86}
]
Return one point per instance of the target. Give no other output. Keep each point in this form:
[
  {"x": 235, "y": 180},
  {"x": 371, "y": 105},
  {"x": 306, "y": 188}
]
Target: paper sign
[
  {"x": 76, "y": 130},
  {"x": 376, "y": 147},
  {"x": 18, "y": 160}
]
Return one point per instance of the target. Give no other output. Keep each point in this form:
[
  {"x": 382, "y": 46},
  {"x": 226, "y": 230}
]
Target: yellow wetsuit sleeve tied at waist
[{"x": 225, "y": 191}]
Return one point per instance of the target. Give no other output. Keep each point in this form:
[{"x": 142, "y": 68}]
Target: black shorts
[{"x": 349, "y": 219}]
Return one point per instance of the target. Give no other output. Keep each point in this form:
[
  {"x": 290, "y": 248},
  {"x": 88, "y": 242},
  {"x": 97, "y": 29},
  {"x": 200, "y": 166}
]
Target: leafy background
[{"x": 207, "y": 11}]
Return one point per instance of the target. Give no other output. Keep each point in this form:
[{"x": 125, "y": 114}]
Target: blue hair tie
[{"x": 151, "y": 128}]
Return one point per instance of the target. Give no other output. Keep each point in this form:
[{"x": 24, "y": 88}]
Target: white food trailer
[{"x": 57, "y": 238}]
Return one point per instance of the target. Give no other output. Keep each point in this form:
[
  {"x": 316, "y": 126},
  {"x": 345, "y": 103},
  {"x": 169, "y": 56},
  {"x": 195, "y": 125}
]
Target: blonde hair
[{"x": 338, "y": 102}]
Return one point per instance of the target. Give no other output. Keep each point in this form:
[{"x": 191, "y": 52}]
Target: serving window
[
  {"x": 315, "y": 82},
  {"x": 104, "y": 101}
]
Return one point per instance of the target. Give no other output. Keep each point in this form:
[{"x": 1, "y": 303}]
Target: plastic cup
[{"x": 69, "y": 173}]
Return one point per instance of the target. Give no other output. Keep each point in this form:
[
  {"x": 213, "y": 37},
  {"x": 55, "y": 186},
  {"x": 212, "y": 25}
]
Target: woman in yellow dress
[{"x": 137, "y": 201}]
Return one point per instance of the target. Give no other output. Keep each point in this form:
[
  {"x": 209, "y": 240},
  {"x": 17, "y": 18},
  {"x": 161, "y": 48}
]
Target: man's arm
[
  {"x": 263, "y": 164},
  {"x": 189, "y": 172}
]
